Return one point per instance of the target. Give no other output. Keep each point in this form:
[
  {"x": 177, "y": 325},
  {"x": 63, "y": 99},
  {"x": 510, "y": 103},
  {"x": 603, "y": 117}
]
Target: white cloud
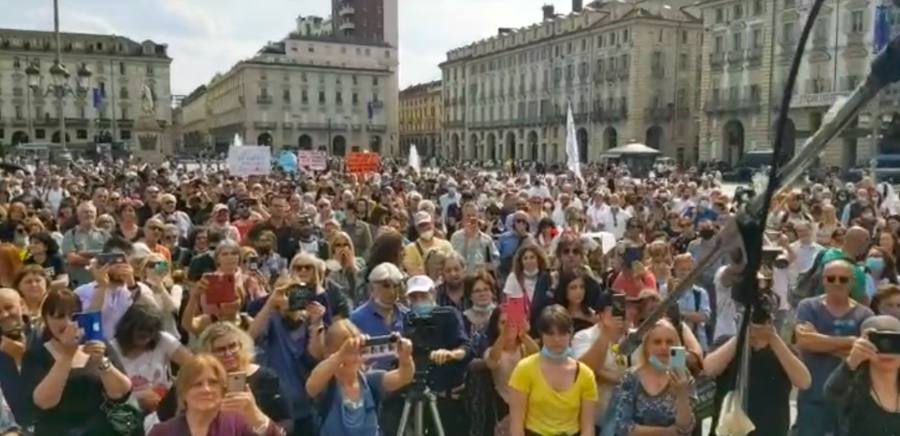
[{"x": 209, "y": 36}]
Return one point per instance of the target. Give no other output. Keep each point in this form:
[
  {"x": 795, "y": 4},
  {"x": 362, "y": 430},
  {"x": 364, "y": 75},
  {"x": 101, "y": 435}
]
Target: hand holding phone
[
  {"x": 516, "y": 311},
  {"x": 107, "y": 259},
  {"x": 220, "y": 288},
  {"x": 618, "y": 305},
  {"x": 237, "y": 382},
  {"x": 885, "y": 342},
  {"x": 678, "y": 358},
  {"x": 90, "y": 326}
]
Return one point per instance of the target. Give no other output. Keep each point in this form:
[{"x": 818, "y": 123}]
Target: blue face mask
[
  {"x": 557, "y": 357},
  {"x": 423, "y": 308},
  {"x": 657, "y": 364},
  {"x": 486, "y": 309},
  {"x": 875, "y": 264}
]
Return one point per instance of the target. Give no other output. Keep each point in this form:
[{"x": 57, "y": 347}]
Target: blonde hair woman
[
  {"x": 255, "y": 285},
  {"x": 345, "y": 389},
  {"x": 654, "y": 396},
  {"x": 345, "y": 269},
  {"x": 156, "y": 272},
  {"x": 234, "y": 349},
  {"x": 210, "y": 408},
  {"x": 228, "y": 261}
]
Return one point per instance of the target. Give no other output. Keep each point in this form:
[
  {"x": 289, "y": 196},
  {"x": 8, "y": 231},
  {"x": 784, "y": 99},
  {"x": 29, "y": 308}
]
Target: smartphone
[
  {"x": 886, "y": 342},
  {"x": 106, "y": 259},
  {"x": 91, "y": 324},
  {"x": 299, "y": 296},
  {"x": 237, "y": 381},
  {"x": 516, "y": 311},
  {"x": 252, "y": 263},
  {"x": 632, "y": 255},
  {"x": 220, "y": 288},
  {"x": 618, "y": 305},
  {"x": 678, "y": 358}
]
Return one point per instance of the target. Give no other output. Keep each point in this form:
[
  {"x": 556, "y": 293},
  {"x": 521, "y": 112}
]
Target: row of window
[
  {"x": 22, "y": 113},
  {"x": 606, "y": 40},
  {"x": 82, "y": 134},
  {"x": 304, "y": 96},
  {"x": 323, "y": 77},
  {"x": 752, "y": 92},
  {"x": 740, "y": 11},
  {"x": 19, "y": 64}
]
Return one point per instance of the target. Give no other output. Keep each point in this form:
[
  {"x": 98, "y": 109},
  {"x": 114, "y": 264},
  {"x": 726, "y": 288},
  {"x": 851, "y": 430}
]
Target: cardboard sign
[
  {"x": 249, "y": 160},
  {"x": 312, "y": 160},
  {"x": 363, "y": 162}
]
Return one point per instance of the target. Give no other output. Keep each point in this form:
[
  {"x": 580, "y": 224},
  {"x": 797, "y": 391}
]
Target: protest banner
[
  {"x": 312, "y": 160},
  {"x": 249, "y": 160},
  {"x": 363, "y": 162}
]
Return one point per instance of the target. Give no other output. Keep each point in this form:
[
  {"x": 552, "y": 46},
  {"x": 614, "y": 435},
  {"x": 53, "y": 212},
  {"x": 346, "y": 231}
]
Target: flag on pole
[
  {"x": 97, "y": 98},
  {"x": 573, "y": 163},
  {"x": 881, "y": 28}
]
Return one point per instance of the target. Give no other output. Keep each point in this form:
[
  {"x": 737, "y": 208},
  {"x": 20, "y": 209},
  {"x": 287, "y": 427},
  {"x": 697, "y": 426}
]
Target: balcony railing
[
  {"x": 735, "y": 56},
  {"x": 346, "y": 10},
  {"x": 623, "y": 73},
  {"x": 347, "y": 25},
  {"x": 717, "y": 60},
  {"x": 264, "y": 99},
  {"x": 659, "y": 113},
  {"x": 265, "y": 125}
]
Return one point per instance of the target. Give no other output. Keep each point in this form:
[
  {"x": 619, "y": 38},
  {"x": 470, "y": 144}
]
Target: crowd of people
[{"x": 163, "y": 300}]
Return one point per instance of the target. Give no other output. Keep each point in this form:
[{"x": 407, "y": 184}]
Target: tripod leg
[
  {"x": 436, "y": 416},
  {"x": 420, "y": 420},
  {"x": 404, "y": 418}
]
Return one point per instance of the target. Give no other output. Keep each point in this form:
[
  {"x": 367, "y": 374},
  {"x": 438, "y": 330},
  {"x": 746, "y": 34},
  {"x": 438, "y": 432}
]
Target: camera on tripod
[{"x": 424, "y": 332}]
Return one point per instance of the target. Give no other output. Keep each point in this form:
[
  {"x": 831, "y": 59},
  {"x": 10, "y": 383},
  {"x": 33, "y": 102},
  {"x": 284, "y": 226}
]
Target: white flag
[
  {"x": 237, "y": 141},
  {"x": 415, "y": 161},
  {"x": 572, "y": 159}
]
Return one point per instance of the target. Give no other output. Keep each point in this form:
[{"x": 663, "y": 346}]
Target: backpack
[{"x": 323, "y": 402}]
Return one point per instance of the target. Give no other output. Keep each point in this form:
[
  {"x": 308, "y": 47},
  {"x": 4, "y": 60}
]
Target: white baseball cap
[{"x": 419, "y": 284}]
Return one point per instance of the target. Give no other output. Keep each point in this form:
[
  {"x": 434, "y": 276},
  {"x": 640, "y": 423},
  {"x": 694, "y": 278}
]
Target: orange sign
[{"x": 363, "y": 162}]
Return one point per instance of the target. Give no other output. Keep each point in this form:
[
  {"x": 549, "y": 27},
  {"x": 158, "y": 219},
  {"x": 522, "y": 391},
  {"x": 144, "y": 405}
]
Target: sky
[{"x": 209, "y": 36}]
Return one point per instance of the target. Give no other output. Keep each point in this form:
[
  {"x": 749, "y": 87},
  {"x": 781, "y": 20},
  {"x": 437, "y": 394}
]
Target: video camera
[{"x": 424, "y": 332}]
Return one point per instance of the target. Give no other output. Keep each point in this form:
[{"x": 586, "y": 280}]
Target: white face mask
[{"x": 427, "y": 235}]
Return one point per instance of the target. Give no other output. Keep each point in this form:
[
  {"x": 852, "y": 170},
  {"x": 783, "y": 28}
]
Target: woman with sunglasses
[
  {"x": 155, "y": 272},
  {"x": 345, "y": 269}
]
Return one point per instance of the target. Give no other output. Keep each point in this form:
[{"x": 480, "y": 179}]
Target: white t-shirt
[
  {"x": 151, "y": 368},
  {"x": 726, "y": 308},
  {"x": 581, "y": 343}
]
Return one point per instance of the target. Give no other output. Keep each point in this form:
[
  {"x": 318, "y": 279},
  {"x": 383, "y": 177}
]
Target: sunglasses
[
  {"x": 304, "y": 267},
  {"x": 837, "y": 279},
  {"x": 341, "y": 245},
  {"x": 574, "y": 251}
]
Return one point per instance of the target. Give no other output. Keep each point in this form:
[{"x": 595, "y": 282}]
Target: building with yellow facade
[{"x": 420, "y": 118}]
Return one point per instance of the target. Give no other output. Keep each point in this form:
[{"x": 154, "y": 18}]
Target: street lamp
[{"x": 61, "y": 88}]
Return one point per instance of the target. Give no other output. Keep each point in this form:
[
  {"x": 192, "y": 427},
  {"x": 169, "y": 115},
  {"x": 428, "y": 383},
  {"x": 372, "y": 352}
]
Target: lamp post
[
  {"x": 34, "y": 84},
  {"x": 60, "y": 87}
]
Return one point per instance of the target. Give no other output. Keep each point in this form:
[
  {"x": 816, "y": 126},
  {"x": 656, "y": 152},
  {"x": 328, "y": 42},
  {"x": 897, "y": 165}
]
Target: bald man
[
  {"x": 827, "y": 326},
  {"x": 856, "y": 240}
]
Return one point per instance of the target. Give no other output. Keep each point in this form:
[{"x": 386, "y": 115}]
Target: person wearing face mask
[
  {"x": 861, "y": 208},
  {"x": 451, "y": 357},
  {"x": 703, "y": 211},
  {"x": 414, "y": 254},
  {"x": 551, "y": 393},
  {"x": 221, "y": 221},
  {"x": 614, "y": 219},
  {"x": 291, "y": 338}
]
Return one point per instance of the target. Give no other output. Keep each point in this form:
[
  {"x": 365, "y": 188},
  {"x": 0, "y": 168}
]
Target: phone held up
[
  {"x": 618, "y": 305},
  {"x": 220, "y": 288},
  {"x": 91, "y": 326},
  {"x": 516, "y": 311},
  {"x": 107, "y": 259},
  {"x": 886, "y": 342},
  {"x": 678, "y": 358},
  {"x": 237, "y": 382}
]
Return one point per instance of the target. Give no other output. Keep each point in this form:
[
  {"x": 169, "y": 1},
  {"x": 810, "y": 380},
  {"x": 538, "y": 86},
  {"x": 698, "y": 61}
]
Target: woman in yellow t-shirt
[{"x": 552, "y": 393}]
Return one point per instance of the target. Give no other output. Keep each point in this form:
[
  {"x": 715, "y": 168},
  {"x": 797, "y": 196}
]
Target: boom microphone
[{"x": 884, "y": 70}]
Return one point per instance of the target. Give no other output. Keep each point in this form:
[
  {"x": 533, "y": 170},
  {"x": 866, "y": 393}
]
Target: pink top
[{"x": 225, "y": 424}]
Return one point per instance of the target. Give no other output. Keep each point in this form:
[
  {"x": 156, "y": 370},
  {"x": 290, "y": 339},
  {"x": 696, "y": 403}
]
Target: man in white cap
[
  {"x": 450, "y": 351},
  {"x": 414, "y": 259},
  {"x": 382, "y": 314}
]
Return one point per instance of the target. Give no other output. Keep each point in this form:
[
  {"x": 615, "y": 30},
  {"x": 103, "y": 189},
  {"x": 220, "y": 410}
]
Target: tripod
[{"x": 417, "y": 397}]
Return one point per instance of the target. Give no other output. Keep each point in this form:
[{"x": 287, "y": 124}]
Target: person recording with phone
[
  {"x": 289, "y": 330},
  {"x": 74, "y": 379},
  {"x": 220, "y": 295},
  {"x": 865, "y": 385},
  {"x": 234, "y": 349},
  {"x": 774, "y": 371},
  {"x": 347, "y": 395},
  {"x": 115, "y": 287}
]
